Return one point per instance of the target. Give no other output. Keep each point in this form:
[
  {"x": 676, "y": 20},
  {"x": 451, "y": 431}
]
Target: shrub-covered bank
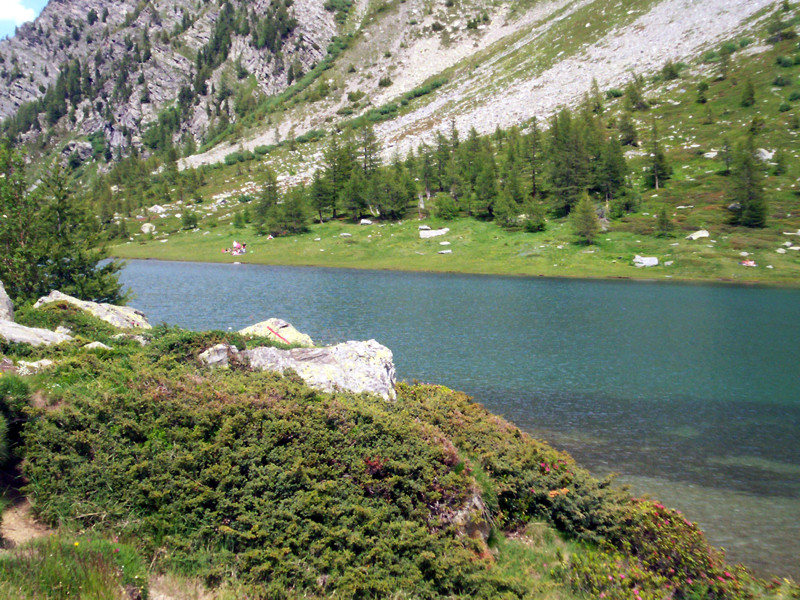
[{"x": 254, "y": 480}]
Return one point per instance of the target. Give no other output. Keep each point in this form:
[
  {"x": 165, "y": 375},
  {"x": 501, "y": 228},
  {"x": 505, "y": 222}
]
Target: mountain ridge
[{"x": 503, "y": 64}]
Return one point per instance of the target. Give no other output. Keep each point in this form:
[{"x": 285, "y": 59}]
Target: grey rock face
[
  {"x": 352, "y": 366},
  {"x": 64, "y": 32},
  {"x": 19, "y": 334},
  {"x": 278, "y": 330},
  {"x": 6, "y": 306},
  {"x": 123, "y": 317},
  {"x": 218, "y": 356}
]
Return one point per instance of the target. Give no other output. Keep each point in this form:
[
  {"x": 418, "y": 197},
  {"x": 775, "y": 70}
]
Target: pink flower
[
  {"x": 622, "y": 576},
  {"x": 728, "y": 575},
  {"x": 689, "y": 580},
  {"x": 610, "y": 578}
]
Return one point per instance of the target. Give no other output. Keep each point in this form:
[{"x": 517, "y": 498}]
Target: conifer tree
[
  {"x": 748, "y": 188},
  {"x": 628, "y": 135},
  {"x": 321, "y": 198},
  {"x": 748, "y": 94},
  {"x": 613, "y": 170},
  {"x": 569, "y": 163},
  {"x": 658, "y": 171},
  {"x": 49, "y": 239},
  {"x": 532, "y": 147},
  {"x": 584, "y": 220}
]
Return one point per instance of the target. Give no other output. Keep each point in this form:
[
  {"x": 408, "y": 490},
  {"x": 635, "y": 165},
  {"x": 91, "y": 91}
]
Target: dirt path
[{"x": 19, "y": 526}]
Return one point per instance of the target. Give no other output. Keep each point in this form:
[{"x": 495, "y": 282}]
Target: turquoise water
[{"x": 690, "y": 392}]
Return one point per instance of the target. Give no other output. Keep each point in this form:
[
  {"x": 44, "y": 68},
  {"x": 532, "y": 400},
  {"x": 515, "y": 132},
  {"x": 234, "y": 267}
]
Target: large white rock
[
  {"x": 123, "y": 317},
  {"x": 645, "y": 261},
  {"x": 431, "y": 233},
  {"x": 6, "y": 306},
  {"x": 148, "y": 228},
  {"x": 19, "y": 334},
  {"x": 278, "y": 330},
  {"x": 697, "y": 235},
  {"x": 352, "y": 366},
  {"x": 31, "y": 368}
]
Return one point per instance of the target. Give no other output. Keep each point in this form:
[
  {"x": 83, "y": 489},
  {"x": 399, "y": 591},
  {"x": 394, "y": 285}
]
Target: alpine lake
[{"x": 689, "y": 392}]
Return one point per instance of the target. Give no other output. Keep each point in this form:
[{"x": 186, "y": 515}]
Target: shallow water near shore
[{"x": 690, "y": 392}]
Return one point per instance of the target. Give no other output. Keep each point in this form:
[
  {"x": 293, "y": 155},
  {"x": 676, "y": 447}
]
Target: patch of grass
[{"x": 64, "y": 567}]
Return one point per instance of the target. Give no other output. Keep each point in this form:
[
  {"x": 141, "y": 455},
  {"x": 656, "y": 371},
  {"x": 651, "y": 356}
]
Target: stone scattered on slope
[
  {"x": 645, "y": 261},
  {"x": 352, "y": 366},
  {"x": 135, "y": 337},
  {"x": 278, "y": 330},
  {"x": 96, "y": 346},
  {"x": 698, "y": 234},
  {"x": 31, "y": 368},
  {"x": 431, "y": 233},
  {"x": 6, "y": 306},
  {"x": 20, "y": 334},
  {"x": 123, "y": 317}
]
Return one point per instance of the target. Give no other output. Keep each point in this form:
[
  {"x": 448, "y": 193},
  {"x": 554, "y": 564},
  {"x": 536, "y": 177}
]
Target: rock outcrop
[
  {"x": 278, "y": 330},
  {"x": 6, "y": 306},
  {"x": 19, "y": 334},
  {"x": 352, "y": 366},
  {"x": 123, "y": 317},
  {"x": 219, "y": 355}
]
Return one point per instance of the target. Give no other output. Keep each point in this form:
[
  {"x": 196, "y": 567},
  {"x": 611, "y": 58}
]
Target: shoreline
[
  {"x": 722, "y": 281},
  {"x": 468, "y": 246}
]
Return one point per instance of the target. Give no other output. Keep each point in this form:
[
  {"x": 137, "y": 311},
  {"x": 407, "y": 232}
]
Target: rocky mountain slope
[
  {"x": 113, "y": 70},
  {"x": 413, "y": 67}
]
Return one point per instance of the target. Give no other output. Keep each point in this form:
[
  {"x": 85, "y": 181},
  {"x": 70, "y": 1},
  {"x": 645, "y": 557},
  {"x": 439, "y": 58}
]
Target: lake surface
[{"x": 690, "y": 392}]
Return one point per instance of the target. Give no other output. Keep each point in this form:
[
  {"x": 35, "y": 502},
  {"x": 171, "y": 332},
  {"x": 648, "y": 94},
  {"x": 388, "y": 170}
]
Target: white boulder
[
  {"x": 431, "y": 233},
  {"x": 698, "y": 235},
  {"x": 123, "y": 317},
  {"x": 351, "y": 366},
  {"x": 645, "y": 261},
  {"x": 20, "y": 334},
  {"x": 278, "y": 330},
  {"x": 96, "y": 346}
]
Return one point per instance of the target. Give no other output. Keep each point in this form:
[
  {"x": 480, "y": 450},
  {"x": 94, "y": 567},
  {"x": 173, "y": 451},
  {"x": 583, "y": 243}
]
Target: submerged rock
[
  {"x": 6, "y": 306},
  {"x": 352, "y": 366},
  {"x": 123, "y": 317},
  {"x": 278, "y": 330},
  {"x": 19, "y": 334}
]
